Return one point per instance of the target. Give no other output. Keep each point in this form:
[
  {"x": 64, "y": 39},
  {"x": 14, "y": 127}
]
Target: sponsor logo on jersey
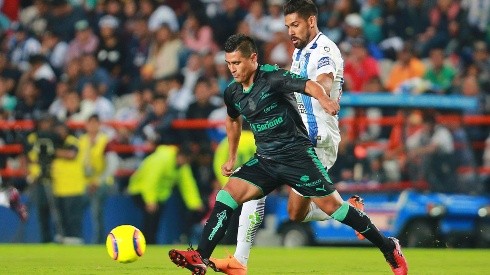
[
  {"x": 270, "y": 107},
  {"x": 264, "y": 95},
  {"x": 304, "y": 178},
  {"x": 259, "y": 127}
]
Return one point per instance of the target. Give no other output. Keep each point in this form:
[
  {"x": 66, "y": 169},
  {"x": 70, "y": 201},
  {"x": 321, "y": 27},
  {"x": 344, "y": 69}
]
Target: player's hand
[
  {"x": 330, "y": 106},
  {"x": 227, "y": 168}
]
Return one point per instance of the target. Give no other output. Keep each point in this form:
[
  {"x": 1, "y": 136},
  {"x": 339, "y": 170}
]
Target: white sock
[
  {"x": 4, "y": 198},
  {"x": 251, "y": 217},
  {"x": 316, "y": 214}
]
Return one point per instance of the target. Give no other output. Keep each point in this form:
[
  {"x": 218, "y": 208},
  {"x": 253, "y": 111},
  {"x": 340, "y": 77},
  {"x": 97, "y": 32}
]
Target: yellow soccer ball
[{"x": 125, "y": 244}]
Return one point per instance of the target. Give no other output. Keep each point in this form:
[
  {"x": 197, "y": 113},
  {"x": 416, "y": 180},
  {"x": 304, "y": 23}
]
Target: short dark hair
[
  {"x": 242, "y": 43},
  {"x": 304, "y": 8}
]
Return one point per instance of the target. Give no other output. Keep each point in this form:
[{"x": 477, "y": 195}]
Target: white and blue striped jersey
[{"x": 320, "y": 56}]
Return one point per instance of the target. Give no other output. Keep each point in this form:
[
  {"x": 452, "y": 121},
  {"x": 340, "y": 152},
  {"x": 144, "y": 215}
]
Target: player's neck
[
  {"x": 247, "y": 84},
  {"x": 314, "y": 34}
]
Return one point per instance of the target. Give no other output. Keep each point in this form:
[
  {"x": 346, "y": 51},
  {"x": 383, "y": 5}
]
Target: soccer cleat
[
  {"x": 189, "y": 259},
  {"x": 229, "y": 265},
  {"x": 357, "y": 202},
  {"x": 16, "y": 204},
  {"x": 396, "y": 260}
]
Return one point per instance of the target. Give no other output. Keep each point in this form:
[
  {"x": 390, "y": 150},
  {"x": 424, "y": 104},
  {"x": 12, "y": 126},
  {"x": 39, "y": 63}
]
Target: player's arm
[
  {"x": 326, "y": 80},
  {"x": 314, "y": 89},
  {"x": 233, "y": 132}
]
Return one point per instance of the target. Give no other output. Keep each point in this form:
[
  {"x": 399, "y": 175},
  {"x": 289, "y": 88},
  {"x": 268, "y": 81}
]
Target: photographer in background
[{"x": 40, "y": 146}]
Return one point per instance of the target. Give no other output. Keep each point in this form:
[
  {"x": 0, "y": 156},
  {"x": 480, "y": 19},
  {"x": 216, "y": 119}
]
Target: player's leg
[
  {"x": 228, "y": 199},
  {"x": 358, "y": 220},
  {"x": 251, "y": 217},
  {"x": 251, "y": 181},
  {"x": 312, "y": 180}
]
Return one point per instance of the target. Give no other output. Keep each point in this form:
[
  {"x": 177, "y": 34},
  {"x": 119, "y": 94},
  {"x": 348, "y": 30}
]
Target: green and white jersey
[{"x": 269, "y": 106}]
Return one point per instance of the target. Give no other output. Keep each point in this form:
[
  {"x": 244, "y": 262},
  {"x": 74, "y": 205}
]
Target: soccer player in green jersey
[{"x": 264, "y": 97}]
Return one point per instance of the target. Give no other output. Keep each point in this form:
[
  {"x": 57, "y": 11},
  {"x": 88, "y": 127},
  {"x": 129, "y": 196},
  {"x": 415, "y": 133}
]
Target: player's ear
[
  {"x": 253, "y": 56},
  {"x": 312, "y": 21}
]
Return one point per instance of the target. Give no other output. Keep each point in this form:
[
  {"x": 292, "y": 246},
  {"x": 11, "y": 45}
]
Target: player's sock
[
  {"x": 4, "y": 198},
  {"x": 359, "y": 221},
  {"x": 250, "y": 219},
  {"x": 217, "y": 224},
  {"x": 315, "y": 214}
]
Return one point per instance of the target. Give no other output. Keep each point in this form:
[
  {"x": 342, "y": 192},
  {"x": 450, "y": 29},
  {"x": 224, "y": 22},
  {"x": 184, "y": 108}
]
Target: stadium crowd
[{"x": 150, "y": 62}]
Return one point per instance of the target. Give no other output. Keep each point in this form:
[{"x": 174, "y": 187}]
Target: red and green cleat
[
  {"x": 190, "y": 259},
  {"x": 396, "y": 260}
]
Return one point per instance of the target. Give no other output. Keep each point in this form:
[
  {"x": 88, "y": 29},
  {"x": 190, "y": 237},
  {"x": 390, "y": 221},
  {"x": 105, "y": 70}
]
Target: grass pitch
[{"x": 58, "y": 259}]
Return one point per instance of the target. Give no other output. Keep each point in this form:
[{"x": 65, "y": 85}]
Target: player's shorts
[{"x": 305, "y": 173}]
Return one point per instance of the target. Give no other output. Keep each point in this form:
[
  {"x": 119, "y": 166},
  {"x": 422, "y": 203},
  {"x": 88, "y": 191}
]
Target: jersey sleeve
[
  {"x": 325, "y": 63},
  {"x": 230, "y": 106},
  {"x": 288, "y": 81}
]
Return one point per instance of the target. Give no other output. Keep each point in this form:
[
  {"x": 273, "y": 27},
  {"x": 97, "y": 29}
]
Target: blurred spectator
[
  {"x": 481, "y": 59},
  {"x": 431, "y": 151},
  {"x": 163, "y": 15},
  {"x": 157, "y": 123},
  {"x": 10, "y": 75},
  {"x": 153, "y": 182},
  {"x": 85, "y": 41},
  {"x": 34, "y": 17},
  {"x": 197, "y": 35},
  {"x": 406, "y": 67},
  {"x": 64, "y": 19},
  {"x": 100, "y": 164},
  {"x": 92, "y": 72},
  {"x": 275, "y": 17},
  {"x": 439, "y": 74},
  {"x": 21, "y": 46},
  {"x": 258, "y": 22},
  {"x": 44, "y": 78},
  {"x": 371, "y": 14},
  {"x": 360, "y": 67},
  {"x": 225, "y": 23},
  {"x": 111, "y": 53},
  {"x": 29, "y": 104},
  {"x": 62, "y": 90},
  {"x": 163, "y": 57},
  {"x": 200, "y": 108},
  {"x": 278, "y": 50},
  {"x": 55, "y": 51},
  {"x": 179, "y": 96},
  {"x": 138, "y": 50},
  {"x": 349, "y": 166},
  {"x": 478, "y": 16},
  {"x": 69, "y": 185},
  {"x": 133, "y": 107},
  {"x": 353, "y": 27},
  {"x": 72, "y": 73},
  {"x": 223, "y": 74},
  {"x": 437, "y": 34},
  {"x": 69, "y": 110},
  {"x": 468, "y": 180},
  {"x": 7, "y": 101},
  {"x": 39, "y": 152},
  {"x": 192, "y": 71},
  {"x": 94, "y": 103}
]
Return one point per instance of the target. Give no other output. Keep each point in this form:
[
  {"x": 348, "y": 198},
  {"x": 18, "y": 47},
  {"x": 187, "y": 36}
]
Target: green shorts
[{"x": 305, "y": 173}]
